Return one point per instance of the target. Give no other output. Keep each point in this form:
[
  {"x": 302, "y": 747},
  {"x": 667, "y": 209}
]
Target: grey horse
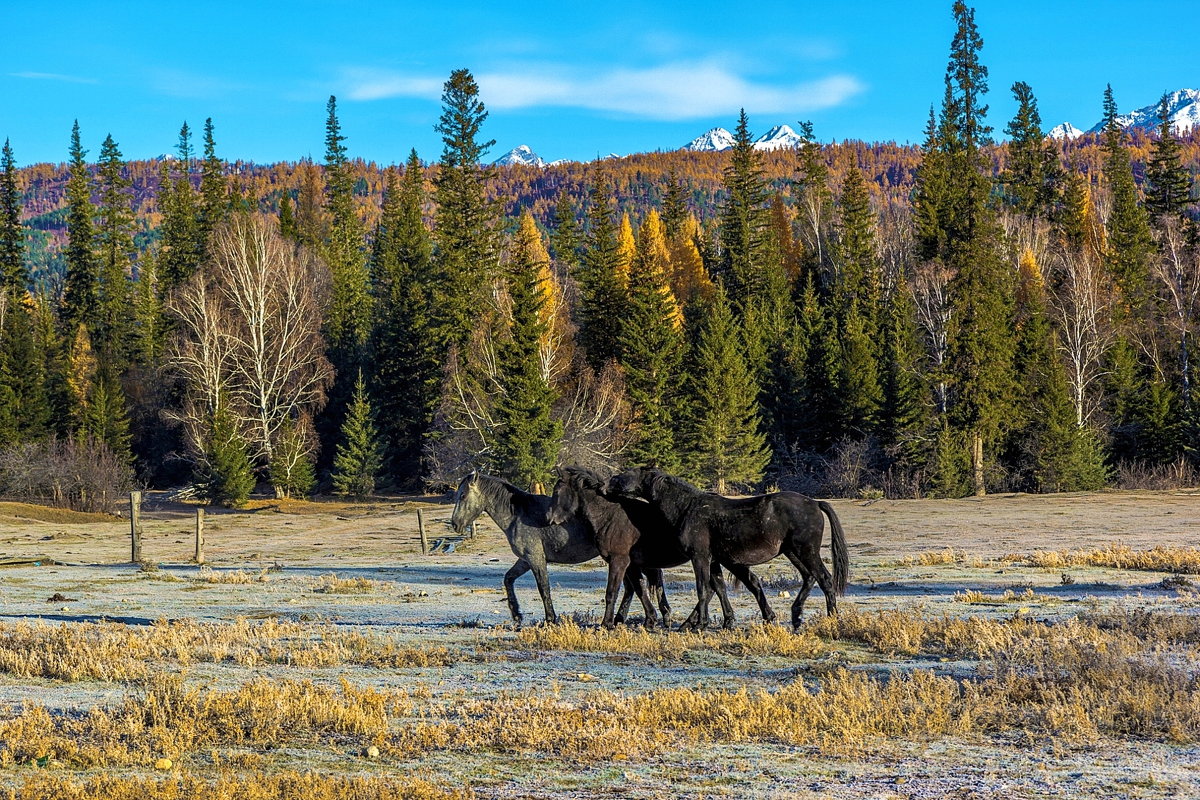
[{"x": 523, "y": 518}]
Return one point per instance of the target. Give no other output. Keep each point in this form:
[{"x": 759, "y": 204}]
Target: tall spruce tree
[
  {"x": 1032, "y": 176},
  {"x": 725, "y": 444},
  {"x": 465, "y": 232},
  {"x": 1129, "y": 241},
  {"x": 182, "y": 247},
  {"x": 744, "y": 219},
  {"x": 406, "y": 374},
  {"x": 349, "y": 307},
  {"x": 602, "y": 298},
  {"x": 115, "y": 249},
  {"x": 566, "y": 239},
  {"x": 1168, "y": 182},
  {"x": 14, "y": 276},
  {"x": 674, "y": 205},
  {"x": 358, "y": 460},
  {"x": 81, "y": 282},
  {"x": 980, "y": 348},
  {"x": 905, "y": 414},
  {"x": 214, "y": 190},
  {"x": 526, "y": 440}
]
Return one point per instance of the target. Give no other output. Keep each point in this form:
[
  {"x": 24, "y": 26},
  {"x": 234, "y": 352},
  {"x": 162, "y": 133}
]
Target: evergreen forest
[{"x": 975, "y": 314}]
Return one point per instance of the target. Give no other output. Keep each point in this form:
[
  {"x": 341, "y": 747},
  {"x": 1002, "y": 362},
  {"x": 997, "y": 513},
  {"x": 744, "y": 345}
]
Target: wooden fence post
[
  {"x": 421, "y": 528},
  {"x": 135, "y": 526},
  {"x": 199, "y": 535}
]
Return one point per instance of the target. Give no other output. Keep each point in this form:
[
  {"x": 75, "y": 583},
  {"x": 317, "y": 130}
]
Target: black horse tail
[{"x": 837, "y": 543}]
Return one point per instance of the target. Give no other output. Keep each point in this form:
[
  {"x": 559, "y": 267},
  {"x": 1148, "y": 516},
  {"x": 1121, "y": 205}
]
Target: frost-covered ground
[{"x": 455, "y": 600}]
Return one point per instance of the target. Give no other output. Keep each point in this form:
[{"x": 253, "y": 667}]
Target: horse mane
[
  {"x": 582, "y": 477},
  {"x": 519, "y": 499}
]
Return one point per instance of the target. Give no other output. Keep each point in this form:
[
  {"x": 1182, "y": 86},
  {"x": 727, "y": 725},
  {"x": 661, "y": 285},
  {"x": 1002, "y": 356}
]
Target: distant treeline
[{"x": 953, "y": 318}]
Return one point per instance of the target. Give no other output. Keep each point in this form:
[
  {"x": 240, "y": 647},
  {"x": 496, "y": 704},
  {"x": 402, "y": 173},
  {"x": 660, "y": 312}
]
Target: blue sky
[{"x": 571, "y": 82}]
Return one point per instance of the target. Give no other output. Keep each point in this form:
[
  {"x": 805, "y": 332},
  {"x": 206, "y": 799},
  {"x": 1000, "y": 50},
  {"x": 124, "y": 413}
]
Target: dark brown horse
[
  {"x": 632, "y": 536},
  {"x": 741, "y": 532}
]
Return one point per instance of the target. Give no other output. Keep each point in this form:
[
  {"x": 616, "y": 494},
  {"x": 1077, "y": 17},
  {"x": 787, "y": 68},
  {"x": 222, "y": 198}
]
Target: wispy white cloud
[
  {"x": 673, "y": 91},
  {"x": 375, "y": 84},
  {"x": 52, "y": 76}
]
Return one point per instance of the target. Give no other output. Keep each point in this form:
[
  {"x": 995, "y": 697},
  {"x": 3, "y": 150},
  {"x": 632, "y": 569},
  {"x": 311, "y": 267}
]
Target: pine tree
[
  {"x": 312, "y": 220},
  {"x": 106, "y": 417},
  {"x": 674, "y": 205},
  {"x": 287, "y": 219},
  {"x": 979, "y": 352},
  {"x": 182, "y": 247},
  {"x": 407, "y": 372},
  {"x": 349, "y": 306},
  {"x": 1032, "y": 175},
  {"x": 114, "y": 240},
  {"x": 1168, "y": 182},
  {"x": 651, "y": 355},
  {"x": 858, "y": 380},
  {"x": 744, "y": 219},
  {"x": 357, "y": 463},
  {"x": 466, "y": 247},
  {"x": 602, "y": 298},
  {"x": 725, "y": 442},
  {"x": 1129, "y": 241},
  {"x": 214, "y": 190},
  {"x": 14, "y": 276},
  {"x": 566, "y": 239},
  {"x": 23, "y": 399},
  {"x": 859, "y": 272},
  {"x": 81, "y": 283},
  {"x": 1073, "y": 222},
  {"x": 526, "y": 437},
  {"x": 223, "y": 475},
  {"x": 149, "y": 320},
  {"x": 904, "y": 418}
]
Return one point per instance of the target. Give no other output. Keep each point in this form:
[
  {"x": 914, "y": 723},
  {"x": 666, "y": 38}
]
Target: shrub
[{"x": 82, "y": 474}]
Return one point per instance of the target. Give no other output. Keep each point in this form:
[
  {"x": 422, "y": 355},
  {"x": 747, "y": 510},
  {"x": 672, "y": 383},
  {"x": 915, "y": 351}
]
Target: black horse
[
  {"x": 632, "y": 536},
  {"x": 741, "y": 532},
  {"x": 534, "y": 540}
]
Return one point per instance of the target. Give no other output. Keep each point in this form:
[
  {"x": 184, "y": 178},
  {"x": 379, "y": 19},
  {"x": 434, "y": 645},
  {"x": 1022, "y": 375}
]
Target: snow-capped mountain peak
[
  {"x": 1066, "y": 131},
  {"x": 711, "y": 141},
  {"x": 521, "y": 154},
  {"x": 1183, "y": 109},
  {"x": 778, "y": 138}
]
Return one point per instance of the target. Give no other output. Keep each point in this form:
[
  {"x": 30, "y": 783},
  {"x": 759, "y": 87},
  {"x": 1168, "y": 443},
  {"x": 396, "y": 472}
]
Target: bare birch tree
[
  {"x": 1083, "y": 307},
  {"x": 1177, "y": 270},
  {"x": 250, "y": 334},
  {"x": 929, "y": 286}
]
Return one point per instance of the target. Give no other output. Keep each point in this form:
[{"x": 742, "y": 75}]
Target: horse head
[
  {"x": 635, "y": 482},
  {"x": 468, "y": 502}
]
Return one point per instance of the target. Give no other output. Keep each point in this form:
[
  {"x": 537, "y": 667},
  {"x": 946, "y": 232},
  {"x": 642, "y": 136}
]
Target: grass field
[{"x": 1009, "y": 647}]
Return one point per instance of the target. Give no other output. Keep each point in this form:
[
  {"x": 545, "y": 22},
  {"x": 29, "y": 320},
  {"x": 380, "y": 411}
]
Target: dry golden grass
[
  {"x": 114, "y": 652},
  {"x": 1180, "y": 560},
  {"x": 934, "y": 558},
  {"x": 288, "y": 785},
  {"x": 757, "y": 640},
  {"x": 61, "y": 516},
  {"x": 235, "y": 577},
  {"x": 976, "y": 597},
  {"x": 330, "y": 583},
  {"x": 174, "y": 721}
]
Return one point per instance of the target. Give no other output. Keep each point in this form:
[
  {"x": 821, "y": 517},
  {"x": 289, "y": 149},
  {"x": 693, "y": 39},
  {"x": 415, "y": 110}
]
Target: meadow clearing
[{"x": 1006, "y": 647}]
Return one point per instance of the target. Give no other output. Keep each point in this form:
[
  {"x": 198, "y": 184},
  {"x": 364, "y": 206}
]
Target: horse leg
[
  {"x": 643, "y": 584},
  {"x": 718, "y": 585},
  {"x": 517, "y": 570},
  {"x": 654, "y": 578},
  {"x": 806, "y": 578},
  {"x": 617, "y": 565},
  {"x": 632, "y": 587},
  {"x": 702, "y": 566},
  {"x": 538, "y": 566},
  {"x": 743, "y": 574}
]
